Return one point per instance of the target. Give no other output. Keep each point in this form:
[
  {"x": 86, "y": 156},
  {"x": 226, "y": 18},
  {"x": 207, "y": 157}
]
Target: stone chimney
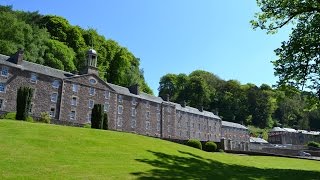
[
  {"x": 134, "y": 89},
  {"x": 201, "y": 108},
  {"x": 184, "y": 104},
  {"x": 17, "y": 57}
]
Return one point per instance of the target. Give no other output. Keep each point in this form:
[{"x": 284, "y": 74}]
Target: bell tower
[{"x": 91, "y": 62}]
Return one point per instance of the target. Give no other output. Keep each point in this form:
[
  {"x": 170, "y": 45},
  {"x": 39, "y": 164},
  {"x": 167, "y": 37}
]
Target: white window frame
[
  {"x": 92, "y": 81},
  {"x": 134, "y": 101},
  {"x": 133, "y": 112},
  {"x": 6, "y": 70},
  {"x": 54, "y": 112},
  {"x": 119, "y": 121},
  {"x": 54, "y": 98},
  {"x": 147, "y": 104},
  {"x": 120, "y": 98},
  {"x": 148, "y": 115},
  {"x": 106, "y": 94},
  {"x": 158, "y": 126},
  {"x": 120, "y": 109},
  {"x": 148, "y": 125},
  {"x": 92, "y": 91},
  {"x": 2, "y": 87},
  {"x": 158, "y": 117},
  {"x": 33, "y": 78},
  {"x": 90, "y": 103},
  {"x": 75, "y": 87},
  {"x": 89, "y": 117},
  {"x": 106, "y": 107},
  {"x": 74, "y": 102},
  {"x": 73, "y": 117},
  {"x": 133, "y": 123},
  {"x": 56, "y": 84}
]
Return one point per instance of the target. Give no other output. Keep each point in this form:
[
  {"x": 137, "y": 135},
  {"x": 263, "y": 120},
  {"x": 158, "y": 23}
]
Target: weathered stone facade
[{"x": 70, "y": 98}]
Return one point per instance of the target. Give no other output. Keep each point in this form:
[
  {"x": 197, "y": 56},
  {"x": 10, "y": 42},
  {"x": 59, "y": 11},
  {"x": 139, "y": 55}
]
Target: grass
[{"x": 44, "y": 151}]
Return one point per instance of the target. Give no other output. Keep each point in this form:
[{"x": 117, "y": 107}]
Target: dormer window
[
  {"x": 56, "y": 84},
  {"x": 92, "y": 81},
  {"x": 5, "y": 71},
  {"x": 33, "y": 78}
]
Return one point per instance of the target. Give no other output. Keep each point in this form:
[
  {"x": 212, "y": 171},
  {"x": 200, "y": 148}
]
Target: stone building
[
  {"x": 234, "y": 136},
  {"x": 291, "y": 136},
  {"x": 69, "y": 99}
]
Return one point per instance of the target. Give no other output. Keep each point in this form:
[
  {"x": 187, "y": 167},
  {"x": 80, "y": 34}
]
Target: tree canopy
[
  {"x": 51, "y": 40},
  {"x": 298, "y": 57}
]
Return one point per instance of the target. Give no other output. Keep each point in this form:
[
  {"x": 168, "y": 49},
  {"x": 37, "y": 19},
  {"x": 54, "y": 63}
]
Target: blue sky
[{"x": 177, "y": 36}]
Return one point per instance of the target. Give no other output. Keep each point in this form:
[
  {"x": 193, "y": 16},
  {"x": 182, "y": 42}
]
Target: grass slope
[{"x": 42, "y": 151}]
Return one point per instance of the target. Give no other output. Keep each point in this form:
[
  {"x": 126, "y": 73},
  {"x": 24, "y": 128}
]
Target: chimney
[
  {"x": 201, "y": 108},
  {"x": 184, "y": 103},
  {"x": 168, "y": 97},
  {"x": 17, "y": 57},
  {"x": 134, "y": 89}
]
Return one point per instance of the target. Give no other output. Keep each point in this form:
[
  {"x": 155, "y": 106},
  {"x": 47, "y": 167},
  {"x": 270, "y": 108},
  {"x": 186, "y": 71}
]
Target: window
[
  {"x": 107, "y": 94},
  {"x": 2, "y": 87},
  {"x": 92, "y": 81},
  {"x": 133, "y": 112},
  {"x": 91, "y": 104},
  {"x": 54, "y": 97},
  {"x": 148, "y": 115},
  {"x": 56, "y": 84},
  {"x": 169, "y": 117},
  {"x": 52, "y": 112},
  {"x": 120, "y": 109},
  {"x": 33, "y": 78},
  {"x": 75, "y": 87},
  {"x": 72, "y": 115},
  {"x": 133, "y": 123},
  {"x": 106, "y": 107},
  {"x": 134, "y": 101},
  {"x": 5, "y": 71},
  {"x": 74, "y": 101},
  {"x": 158, "y": 126},
  {"x": 168, "y": 109},
  {"x": 158, "y": 116},
  {"x": 120, "y": 98},
  {"x": 1, "y": 103},
  {"x": 158, "y": 107},
  {"x": 119, "y": 121},
  {"x": 89, "y": 118},
  {"x": 92, "y": 91},
  {"x": 147, "y": 104},
  {"x": 199, "y": 127},
  {"x": 147, "y": 125},
  {"x": 31, "y": 108}
]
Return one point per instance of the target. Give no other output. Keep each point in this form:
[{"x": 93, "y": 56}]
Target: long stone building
[{"x": 69, "y": 98}]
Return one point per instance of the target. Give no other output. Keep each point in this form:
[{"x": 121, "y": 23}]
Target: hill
[{"x": 42, "y": 151}]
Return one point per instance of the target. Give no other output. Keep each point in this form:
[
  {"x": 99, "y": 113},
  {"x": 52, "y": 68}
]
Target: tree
[
  {"x": 298, "y": 58},
  {"x": 99, "y": 119},
  {"x": 24, "y": 96}
]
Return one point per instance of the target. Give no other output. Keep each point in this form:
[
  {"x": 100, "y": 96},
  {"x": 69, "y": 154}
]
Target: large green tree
[{"x": 298, "y": 58}]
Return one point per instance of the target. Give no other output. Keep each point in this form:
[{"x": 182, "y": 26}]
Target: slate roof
[
  {"x": 196, "y": 111},
  {"x": 258, "y": 140},
  {"x": 37, "y": 68},
  {"x": 277, "y": 129},
  {"x": 234, "y": 125}
]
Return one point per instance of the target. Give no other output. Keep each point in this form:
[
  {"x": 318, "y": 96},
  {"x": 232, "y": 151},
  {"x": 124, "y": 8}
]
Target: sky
[{"x": 177, "y": 36}]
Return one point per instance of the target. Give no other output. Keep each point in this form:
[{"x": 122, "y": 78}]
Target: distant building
[
  {"x": 279, "y": 135},
  {"x": 69, "y": 99}
]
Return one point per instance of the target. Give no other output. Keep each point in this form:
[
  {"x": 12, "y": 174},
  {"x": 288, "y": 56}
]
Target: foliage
[
  {"x": 194, "y": 143},
  {"x": 258, "y": 132},
  {"x": 10, "y": 115},
  {"x": 210, "y": 146},
  {"x": 99, "y": 119},
  {"x": 51, "y": 40},
  {"x": 23, "y": 103},
  {"x": 45, "y": 118},
  {"x": 30, "y": 119},
  {"x": 313, "y": 144},
  {"x": 149, "y": 158},
  {"x": 87, "y": 126},
  {"x": 298, "y": 57}
]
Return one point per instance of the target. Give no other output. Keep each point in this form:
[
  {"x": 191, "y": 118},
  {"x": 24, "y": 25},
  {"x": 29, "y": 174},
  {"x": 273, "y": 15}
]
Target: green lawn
[{"x": 42, "y": 151}]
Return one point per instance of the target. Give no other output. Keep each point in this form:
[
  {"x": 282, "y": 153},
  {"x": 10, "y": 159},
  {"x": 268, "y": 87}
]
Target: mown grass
[{"x": 44, "y": 151}]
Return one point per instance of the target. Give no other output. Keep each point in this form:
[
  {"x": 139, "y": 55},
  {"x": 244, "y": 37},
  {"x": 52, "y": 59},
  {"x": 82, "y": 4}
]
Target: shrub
[
  {"x": 221, "y": 150},
  {"x": 10, "y": 115},
  {"x": 87, "y": 126},
  {"x": 29, "y": 119},
  {"x": 210, "y": 146},
  {"x": 23, "y": 103},
  {"x": 97, "y": 116},
  {"x": 194, "y": 143},
  {"x": 44, "y": 118},
  {"x": 313, "y": 144},
  {"x": 105, "y": 121}
]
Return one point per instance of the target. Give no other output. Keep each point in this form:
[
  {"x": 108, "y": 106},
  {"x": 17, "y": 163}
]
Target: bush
[
  {"x": 29, "y": 119},
  {"x": 87, "y": 126},
  {"x": 194, "y": 143},
  {"x": 23, "y": 103},
  {"x": 210, "y": 146},
  {"x": 313, "y": 144},
  {"x": 221, "y": 150},
  {"x": 10, "y": 115},
  {"x": 44, "y": 118}
]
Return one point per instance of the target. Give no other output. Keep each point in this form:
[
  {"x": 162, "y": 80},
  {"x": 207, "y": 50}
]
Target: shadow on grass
[{"x": 168, "y": 166}]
